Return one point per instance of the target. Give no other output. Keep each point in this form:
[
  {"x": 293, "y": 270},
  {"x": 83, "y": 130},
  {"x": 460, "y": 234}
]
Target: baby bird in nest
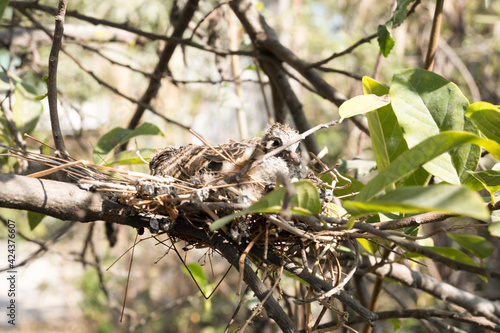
[{"x": 236, "y": 162}]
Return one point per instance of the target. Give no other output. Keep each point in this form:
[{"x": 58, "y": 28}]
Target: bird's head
[{"x": 278, "y": 135}]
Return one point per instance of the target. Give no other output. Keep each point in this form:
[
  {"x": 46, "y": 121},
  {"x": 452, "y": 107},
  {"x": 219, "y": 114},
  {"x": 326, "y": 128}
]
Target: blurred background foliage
[{"x": 161, "y": 297}]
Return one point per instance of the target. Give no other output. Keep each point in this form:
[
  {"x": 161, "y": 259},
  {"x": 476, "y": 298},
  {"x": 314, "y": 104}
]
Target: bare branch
[
  {"x": 474, "y": 304},
  {"x": 52, "y": 82},
  {"x": 62, "y": 200},
  {"x": 162, "y": 66}
]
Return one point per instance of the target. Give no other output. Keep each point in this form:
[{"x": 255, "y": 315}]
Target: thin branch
[
  {"x": 52, "y": 81},
  {"x": 102, "y": 82},
  {"x": 162, "y": 66},
  {"x": 434, "y": 37},
  {"x": 414, "y": 247},
  {"x": 351, "y": 48},
  {"x": 24, "y": 5},
  {"x": 265, "y": 40},
  {"x": 474, "y": 304},
  {"x": 425, "y": 314}
]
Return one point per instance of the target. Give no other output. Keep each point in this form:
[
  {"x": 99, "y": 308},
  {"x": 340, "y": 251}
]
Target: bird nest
[{"x": 166, "y": 200}]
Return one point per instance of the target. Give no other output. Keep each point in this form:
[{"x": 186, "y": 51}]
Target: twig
[
  {"x": 476, "y": 305},
  {"x": 162, "y": 66},
  {"x": 23, "y": 5},
  {"x": 351, "y": 48},
  {"x": 413, "y": 247},
  {"x": 434, "y": 37},
  {"x": 52, "y": 81}
]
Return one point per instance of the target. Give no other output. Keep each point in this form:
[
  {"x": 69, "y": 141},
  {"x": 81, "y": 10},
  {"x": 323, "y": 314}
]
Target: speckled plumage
[{"x": 225, "y": 161}]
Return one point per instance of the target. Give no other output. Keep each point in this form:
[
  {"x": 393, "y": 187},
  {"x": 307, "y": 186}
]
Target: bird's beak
[{"x": 294, "y": 157}]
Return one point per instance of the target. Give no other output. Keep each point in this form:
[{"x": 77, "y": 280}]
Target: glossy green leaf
[
  {"x": 118, "y": 136},
  {"x": 486, "y": 116},
  {"x": 362, "y": 104},
  {"x": 427, "y": 104},
  {"x": 305, "y": 202},
  {"x": 385, "y": 134},
  {"x": 421, "y": 154},
  {"x": 489, "y": 180},
  {"x": 477, "y": 245},
  {"x": 34, "y": 219},
  {"x": 450, "y": 199},
  {"x": 384, "y": 39}
]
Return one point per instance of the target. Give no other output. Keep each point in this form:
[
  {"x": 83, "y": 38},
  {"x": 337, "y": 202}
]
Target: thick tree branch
[
  {"x": 64, "y": 201},
  {"x": 265, "y": 39}
]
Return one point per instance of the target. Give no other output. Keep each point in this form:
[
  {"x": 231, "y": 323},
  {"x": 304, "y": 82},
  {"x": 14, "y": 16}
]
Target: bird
[{"x": 233, "y": 162}]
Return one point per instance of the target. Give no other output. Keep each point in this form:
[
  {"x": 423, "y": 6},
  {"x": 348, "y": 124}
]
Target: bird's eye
[{"x": 276, "y": 143}]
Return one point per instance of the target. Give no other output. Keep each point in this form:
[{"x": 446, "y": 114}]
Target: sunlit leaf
[
  {"x": 488, "y": 179},
  {"x": 305, "y": 202},
  {"x": 494, "y": 229},
  {"x": 362, "y": 104},
  {"x": 486, "y": 116},
  {"x": 26, "y": 109},
  {"x": 427, "y": 104},
  {"x": 450, "y": 199},
  {"x": 385, "y": 134},
  {"x": 422, "y": 153}
]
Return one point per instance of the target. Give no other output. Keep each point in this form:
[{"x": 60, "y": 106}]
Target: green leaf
[
  {"x": 34, "y": 219},
  {"x": 130, "y": 157},
  {"x": 427, "y": 104},
  {"x": 354, "y": 187},
  {"x": 494, "y": 229},
  {"x": 26, "y": 109},
  {"x": 197, "y": 272},
  {"x": 385, "y": 41},
  {"x": 362, "y": 104},
  {"x": 385, "y": 133},
  {"x": 421, "y": 154},
  {"x": 486, "y": 116},
  {"x": 450, "y": 199},
  {"x": 118, "y": 136},
  {"x": 3, "y": 5},
  {"x": 489, "y": 180},
  {"x": 400, "y": 13},
  {"x": 453, "y": 254},
  {"x": 477, "y": 245},
  {"x": 369, "y": 246},
  {"x": 305, "y": 202}
]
